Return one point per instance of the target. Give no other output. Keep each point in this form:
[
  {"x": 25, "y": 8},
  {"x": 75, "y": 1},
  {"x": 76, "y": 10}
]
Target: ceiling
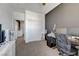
[
  {"x": 26, "y": 6},
  {"x": 36, "y": 7}
]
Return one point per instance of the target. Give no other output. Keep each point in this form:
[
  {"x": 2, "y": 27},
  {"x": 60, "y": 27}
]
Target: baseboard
[{"x": 32, "y": 40}]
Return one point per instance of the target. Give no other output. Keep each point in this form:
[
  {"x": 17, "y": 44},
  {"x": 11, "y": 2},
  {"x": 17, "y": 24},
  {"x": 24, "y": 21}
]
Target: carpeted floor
[{"x": 38, "y": 48}]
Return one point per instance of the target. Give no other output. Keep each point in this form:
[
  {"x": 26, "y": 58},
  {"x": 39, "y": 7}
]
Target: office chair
[
  {"x": 51, "y": 41},
  {"x": 64, "y": 46}
]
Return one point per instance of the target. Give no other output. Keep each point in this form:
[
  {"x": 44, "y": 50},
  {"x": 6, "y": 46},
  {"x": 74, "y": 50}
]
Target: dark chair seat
[{"x": 51, "y": 42}]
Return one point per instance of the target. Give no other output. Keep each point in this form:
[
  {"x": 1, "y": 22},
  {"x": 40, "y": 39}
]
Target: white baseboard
[{"x": 28, "y": 41}]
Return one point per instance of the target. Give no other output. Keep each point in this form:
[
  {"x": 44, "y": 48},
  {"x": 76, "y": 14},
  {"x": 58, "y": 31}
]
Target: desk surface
[{"x": 74, "y": 39}]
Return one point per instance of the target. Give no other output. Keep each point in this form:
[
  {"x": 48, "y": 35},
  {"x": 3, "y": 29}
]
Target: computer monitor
[{"x": 0, "y": 34}]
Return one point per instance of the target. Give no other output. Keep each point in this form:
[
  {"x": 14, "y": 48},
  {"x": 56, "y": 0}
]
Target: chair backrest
[{"x": 62, "y": 43}]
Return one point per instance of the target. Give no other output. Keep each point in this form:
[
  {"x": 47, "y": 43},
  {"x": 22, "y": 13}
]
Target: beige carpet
[{"x": 38, "y": 48}]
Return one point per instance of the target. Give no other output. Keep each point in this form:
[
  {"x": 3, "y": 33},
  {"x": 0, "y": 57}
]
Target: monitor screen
[{"x": 0, "y": 27}]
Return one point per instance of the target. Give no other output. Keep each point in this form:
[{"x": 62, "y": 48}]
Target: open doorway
[{"x": 19, "y": 27}]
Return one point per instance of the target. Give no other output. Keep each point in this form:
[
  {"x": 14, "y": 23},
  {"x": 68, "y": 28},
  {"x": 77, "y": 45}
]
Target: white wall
[
  {"x": 34, "y": 26},
  {"x": 6, "y": 19},
  {"x": 18, "y": 16},
  {"x": 19, "y": 10},
  {"x": 6, "y": 16}
]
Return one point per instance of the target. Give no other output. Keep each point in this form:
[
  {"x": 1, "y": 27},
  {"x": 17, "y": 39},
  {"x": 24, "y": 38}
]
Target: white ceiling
[
  {"x": 48, "y": 7},
  {"x": 26, "y": 6},
  {"x": 36, "y": 7}
]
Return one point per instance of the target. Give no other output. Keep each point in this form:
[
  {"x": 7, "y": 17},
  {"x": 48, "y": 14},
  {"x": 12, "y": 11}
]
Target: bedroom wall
[{"x": 64, "y": 16}]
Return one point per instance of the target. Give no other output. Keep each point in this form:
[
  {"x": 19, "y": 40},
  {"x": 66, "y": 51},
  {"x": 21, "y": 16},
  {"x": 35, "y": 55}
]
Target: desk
[{"x": 74, "y": 40}]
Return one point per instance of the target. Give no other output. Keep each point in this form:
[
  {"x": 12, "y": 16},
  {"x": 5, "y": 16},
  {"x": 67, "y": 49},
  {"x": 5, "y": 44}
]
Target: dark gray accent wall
[{"x": 64, "y": 15}]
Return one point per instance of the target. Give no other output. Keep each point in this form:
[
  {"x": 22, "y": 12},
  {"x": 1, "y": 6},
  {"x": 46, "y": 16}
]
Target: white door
[{"x": 33, "y": 26}]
